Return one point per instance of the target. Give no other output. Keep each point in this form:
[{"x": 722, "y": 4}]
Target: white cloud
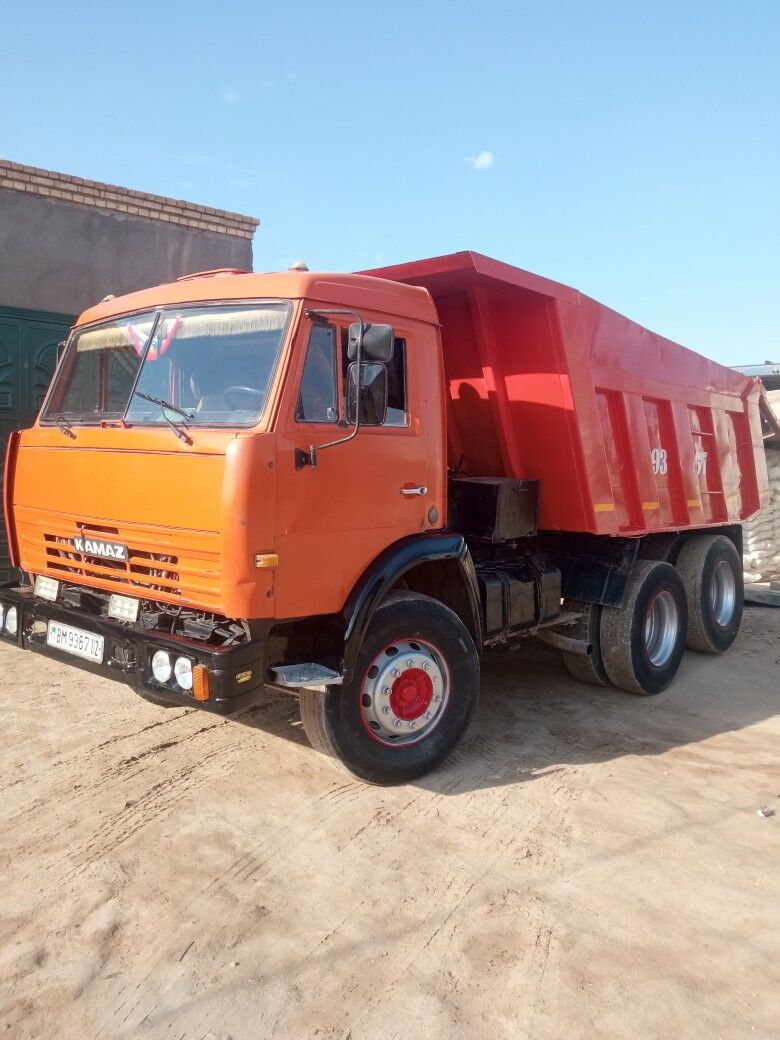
[
  {"x": 229, "y": 95},
  {"x": 483, "y": 161}
]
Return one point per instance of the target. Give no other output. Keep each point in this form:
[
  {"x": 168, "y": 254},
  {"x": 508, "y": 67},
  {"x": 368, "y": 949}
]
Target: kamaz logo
[{"x": 106, "y": 550}]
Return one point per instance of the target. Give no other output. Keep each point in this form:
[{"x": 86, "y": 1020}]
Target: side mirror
[
  {"x": 378, "y": 342},
  {"x": 373, "y": 393}
]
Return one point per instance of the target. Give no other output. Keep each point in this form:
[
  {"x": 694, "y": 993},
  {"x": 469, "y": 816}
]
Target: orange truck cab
[{"x": 347, "y": 486}]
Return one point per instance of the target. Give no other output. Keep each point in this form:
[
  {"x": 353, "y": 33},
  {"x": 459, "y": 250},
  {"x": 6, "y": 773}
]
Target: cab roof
[{"x": 363, "y": 292}]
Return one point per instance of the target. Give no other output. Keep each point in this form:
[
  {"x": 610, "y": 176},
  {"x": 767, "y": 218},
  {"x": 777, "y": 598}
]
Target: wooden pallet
[{"x": 767, "y": 593}]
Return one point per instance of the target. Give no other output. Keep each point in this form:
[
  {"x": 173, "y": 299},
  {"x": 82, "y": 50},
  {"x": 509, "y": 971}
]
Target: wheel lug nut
[
  {"x": 412, "y": 725},
  {"x": 410, "y": 663},
  {"x": 437, "y": 697},
  {"x": 395, "y": 673},
  {"x": 426, "y": 667},
  {"x": 427, "y": 715},
  {"x": 398, "y": 724},
  {"x": 386, "y": 691},
  {"x": 386, "y": 709}
]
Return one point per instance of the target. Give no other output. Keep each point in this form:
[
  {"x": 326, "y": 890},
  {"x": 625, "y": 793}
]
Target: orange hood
[{"x": 185, "y": 513}]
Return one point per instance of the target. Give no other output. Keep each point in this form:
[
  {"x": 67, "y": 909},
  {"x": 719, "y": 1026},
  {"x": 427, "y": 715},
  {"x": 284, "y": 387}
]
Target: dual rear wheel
[
  {"x": 638, "y": 647},
  {"x": 711, "y": 570}
]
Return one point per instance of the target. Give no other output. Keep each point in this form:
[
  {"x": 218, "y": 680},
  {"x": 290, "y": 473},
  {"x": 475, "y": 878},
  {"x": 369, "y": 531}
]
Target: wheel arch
[
  {"x": 447, "y": 581},
  {"x": 437, "y": 565}
]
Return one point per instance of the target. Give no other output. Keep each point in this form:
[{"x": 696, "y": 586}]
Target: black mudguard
[{"x": 391, "y": 565}]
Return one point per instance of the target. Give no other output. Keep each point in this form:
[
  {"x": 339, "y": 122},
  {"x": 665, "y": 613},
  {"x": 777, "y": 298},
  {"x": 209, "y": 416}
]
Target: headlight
[
  {"x": 183, "y": 672},
  {"x": 12, "y": 621},
  {"x": 161, "y": 666}
]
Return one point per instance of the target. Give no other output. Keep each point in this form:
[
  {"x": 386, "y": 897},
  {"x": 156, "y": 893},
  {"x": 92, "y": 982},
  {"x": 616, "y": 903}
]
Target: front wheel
[{"x": 409, "y": 698}]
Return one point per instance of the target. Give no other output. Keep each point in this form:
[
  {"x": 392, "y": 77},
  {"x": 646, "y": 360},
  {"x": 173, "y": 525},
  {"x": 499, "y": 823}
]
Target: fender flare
[{"x": 392, "y": 564}]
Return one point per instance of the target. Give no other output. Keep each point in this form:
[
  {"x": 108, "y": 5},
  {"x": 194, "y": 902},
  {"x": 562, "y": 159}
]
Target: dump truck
[{"x": 349, "y": 486}]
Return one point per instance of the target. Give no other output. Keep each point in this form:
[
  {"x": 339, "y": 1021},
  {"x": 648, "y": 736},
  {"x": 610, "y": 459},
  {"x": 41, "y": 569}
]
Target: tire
[
  {"x": 711, "y": 571},
  {"x": 388, "y": 728},
  {"x": 586, "y": 668},
  {"x": 642, "y": 642}
]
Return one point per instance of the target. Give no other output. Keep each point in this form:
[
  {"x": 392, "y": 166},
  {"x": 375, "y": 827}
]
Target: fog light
[
  {"x": 46, "y": 588},
  {"x": 183, "y": 672},
  {"x": 161, "y": 666},
  {"x": 12, "y": 621}
]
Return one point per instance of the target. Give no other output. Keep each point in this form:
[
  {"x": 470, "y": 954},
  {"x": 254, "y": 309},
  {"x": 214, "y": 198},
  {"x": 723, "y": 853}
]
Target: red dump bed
[{"x": 626, "y": 431}]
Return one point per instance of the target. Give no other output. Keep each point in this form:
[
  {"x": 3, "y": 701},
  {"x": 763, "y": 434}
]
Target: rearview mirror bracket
[{"x": 357, "y": 330}]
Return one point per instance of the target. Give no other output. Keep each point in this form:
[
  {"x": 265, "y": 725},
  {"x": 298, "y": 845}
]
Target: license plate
[{"x": 75, "y": 641}]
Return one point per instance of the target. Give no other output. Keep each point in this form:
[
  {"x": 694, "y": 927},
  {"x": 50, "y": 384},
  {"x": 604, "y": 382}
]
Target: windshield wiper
[
  {"x": 65, "y": 426},
  {"x": 163, "y": 404},
  {"x": 176, "y": 427}
]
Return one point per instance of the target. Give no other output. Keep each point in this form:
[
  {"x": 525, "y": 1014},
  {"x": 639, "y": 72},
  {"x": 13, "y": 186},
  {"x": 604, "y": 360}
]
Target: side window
[
  {"x": 396, "y": 381},
  {"x": 396, "y": 386},
  {"x": 317, "y": 395}
]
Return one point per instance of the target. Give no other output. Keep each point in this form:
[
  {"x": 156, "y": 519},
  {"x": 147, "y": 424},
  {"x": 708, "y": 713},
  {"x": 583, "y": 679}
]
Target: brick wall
[{"x": 60, "y": 186}]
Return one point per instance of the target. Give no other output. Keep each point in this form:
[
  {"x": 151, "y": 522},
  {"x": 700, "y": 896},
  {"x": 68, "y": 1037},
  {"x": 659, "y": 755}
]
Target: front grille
[
  {"x": 176, "y": 566},
  {"x": 151, "y": 571}
]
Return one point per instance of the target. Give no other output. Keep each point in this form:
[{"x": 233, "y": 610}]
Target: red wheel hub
[{"x": 411, "y": 694}]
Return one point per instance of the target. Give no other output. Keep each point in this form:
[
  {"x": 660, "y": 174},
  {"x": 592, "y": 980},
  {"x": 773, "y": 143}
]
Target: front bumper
[{"x": 237, "y": 674}]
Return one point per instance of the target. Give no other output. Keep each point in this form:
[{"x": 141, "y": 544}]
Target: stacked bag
[{"x": 761, "y": 535}]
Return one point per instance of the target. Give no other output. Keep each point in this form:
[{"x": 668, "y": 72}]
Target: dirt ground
[{"x": 588, "y": 864}]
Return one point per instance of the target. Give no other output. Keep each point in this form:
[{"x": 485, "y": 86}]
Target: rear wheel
[
  {"x": 588, "y": 668},
  {"x": 711, "y": 571},
  {"x": 643, "y": 642},
  {"x": 409, "y": 698}
]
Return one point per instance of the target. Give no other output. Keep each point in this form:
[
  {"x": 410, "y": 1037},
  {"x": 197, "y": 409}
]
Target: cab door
[{"x": 363, "y": 495}]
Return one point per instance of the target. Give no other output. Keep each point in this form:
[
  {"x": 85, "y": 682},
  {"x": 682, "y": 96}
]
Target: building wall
[{"x": 62, "y": 257}]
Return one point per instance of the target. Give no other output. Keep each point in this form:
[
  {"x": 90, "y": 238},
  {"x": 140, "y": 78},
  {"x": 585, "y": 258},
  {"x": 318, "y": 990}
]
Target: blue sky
[{"x": 631, "y": 150}]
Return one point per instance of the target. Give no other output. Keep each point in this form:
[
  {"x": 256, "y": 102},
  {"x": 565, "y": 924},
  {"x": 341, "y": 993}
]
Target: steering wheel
[{"x": 234, "y": 394}]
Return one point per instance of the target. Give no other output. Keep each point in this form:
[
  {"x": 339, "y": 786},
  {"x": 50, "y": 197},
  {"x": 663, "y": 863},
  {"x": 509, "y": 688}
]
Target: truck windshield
[{"x": 213, "y": 364}]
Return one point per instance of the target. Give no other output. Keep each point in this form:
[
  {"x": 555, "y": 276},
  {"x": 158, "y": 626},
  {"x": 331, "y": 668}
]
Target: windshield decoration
[
  {"x": 154, "y": 352},
  {"x": 192, "y": 366},
  {"x": 137, "y": 340}
]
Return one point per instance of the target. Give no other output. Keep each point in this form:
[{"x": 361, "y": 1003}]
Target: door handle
[{"x": 411, "y": 492}]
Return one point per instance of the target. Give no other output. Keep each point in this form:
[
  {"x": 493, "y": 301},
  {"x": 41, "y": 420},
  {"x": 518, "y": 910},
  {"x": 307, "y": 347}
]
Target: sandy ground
[{"x": 588, "y": 864}]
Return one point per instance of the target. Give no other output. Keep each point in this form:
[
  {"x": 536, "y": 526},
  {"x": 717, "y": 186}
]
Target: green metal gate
[{"x": 28, "y": 353}]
